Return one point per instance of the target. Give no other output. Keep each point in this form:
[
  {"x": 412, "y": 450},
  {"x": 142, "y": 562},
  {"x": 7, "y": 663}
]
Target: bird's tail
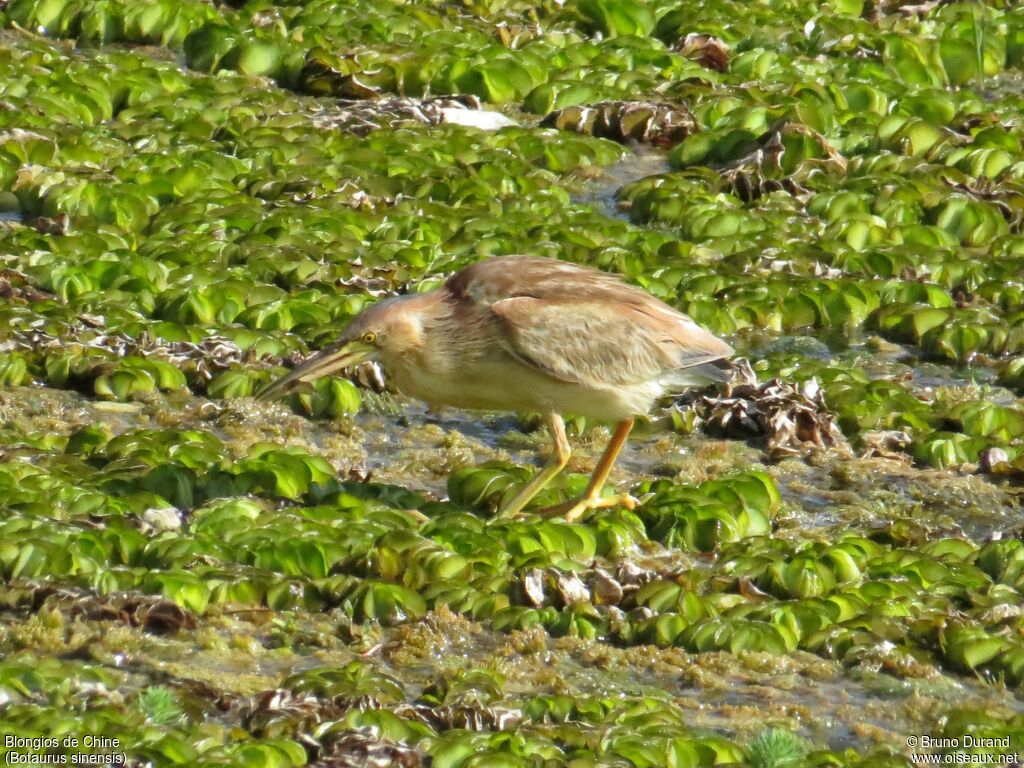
[{"x": 716, "y": 371}]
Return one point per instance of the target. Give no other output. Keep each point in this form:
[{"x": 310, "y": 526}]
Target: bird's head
[{"x": 385, "y": 331}]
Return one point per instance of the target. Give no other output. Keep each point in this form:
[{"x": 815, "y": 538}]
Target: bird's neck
[{"x": 422, "y": 340}]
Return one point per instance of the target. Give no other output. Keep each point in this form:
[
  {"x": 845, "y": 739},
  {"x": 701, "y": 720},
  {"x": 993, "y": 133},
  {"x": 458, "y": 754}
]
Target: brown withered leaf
[
  {"x": 55, "y": 225},
  {"x": 533, "y": 587},
  {"x": 365, "y": 114},
  {"x": 760, "y": 171},
  {"x": 645, "y": 121},
  {"x": 571, "y": 588},
  {"x": 15, "y": 286},
  {"x": 276, "y": 711},
  {"x": 151, "y": 613},
  {"x": 886, "y": 443},
  {"x": 710, "y": 52},
  {"x": 471, "y": 717},
  {"x": 786, "y": 418},
  {"x": 362, "y": 748},
  {"x": 607, "y": 590}
]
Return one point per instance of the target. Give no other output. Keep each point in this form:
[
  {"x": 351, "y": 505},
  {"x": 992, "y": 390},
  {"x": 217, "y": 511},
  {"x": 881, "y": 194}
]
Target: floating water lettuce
[{"x": 201, "y": 222}]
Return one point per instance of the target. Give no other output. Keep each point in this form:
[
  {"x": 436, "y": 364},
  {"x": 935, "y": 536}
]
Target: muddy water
[
  {"x": 820, "y": 699},
  {"x": 418, "y": 450},
  {"x": 406, "y": 444},
  {"x": 643, "y": 161}
]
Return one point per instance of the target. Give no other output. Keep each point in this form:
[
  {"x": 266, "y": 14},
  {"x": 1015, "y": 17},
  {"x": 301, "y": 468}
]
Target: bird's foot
[{"x": 574, "y": 509}]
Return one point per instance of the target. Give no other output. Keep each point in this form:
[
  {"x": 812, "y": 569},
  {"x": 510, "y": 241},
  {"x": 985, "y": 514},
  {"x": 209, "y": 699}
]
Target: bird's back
[{"x": 507, "y": 277}]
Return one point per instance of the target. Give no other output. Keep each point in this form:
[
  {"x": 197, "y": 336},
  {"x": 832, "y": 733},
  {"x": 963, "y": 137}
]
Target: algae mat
[{"x": 828, "y": 567}]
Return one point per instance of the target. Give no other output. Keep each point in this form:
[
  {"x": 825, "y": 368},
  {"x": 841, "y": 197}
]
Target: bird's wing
[
  {"x": 601, "y": 343},
  {"x": 583, "y": 325}
]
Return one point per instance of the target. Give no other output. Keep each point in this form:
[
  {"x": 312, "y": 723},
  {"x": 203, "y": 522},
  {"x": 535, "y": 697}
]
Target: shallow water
[
  {"x": 643, "y": 161},
  {"x": 822, "y": 700},
  {"x": 418, "y": 450},
  {"x": 875, "y": 696}
]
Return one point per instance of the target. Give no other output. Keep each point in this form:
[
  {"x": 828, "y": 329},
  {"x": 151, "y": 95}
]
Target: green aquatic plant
[
  {"x": 840, "y": 192},
  {"x": 160, "y": 705},
  {"x": 776, "y": 748},
  {"x": 978, "y": 29}
]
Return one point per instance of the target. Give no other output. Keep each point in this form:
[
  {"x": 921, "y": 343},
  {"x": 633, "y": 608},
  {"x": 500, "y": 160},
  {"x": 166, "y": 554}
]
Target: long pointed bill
[{"x": 330, "y": 360}]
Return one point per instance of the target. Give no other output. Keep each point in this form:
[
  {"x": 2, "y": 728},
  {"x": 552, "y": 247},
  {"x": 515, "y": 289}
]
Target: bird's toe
[
  {"x": 574, "y": 510},
  {"x": 627, "y": 500}
]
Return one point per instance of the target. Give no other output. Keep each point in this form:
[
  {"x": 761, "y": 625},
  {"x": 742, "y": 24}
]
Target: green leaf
[{"x": 618, "y": 17}]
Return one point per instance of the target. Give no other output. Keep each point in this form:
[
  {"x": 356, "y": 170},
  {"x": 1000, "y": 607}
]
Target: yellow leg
[
  {"x": 591, "y": 498},
  {"x": 555, "y": 465}
]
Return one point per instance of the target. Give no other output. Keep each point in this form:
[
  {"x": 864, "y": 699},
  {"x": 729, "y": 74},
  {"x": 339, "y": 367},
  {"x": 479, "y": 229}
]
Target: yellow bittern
[{"x": 532, "y": 335}]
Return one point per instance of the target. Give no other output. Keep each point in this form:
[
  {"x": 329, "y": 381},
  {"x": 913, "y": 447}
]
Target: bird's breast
[
  {"x": 473, "y": 385},
  {"x": 509, "y": 385}
]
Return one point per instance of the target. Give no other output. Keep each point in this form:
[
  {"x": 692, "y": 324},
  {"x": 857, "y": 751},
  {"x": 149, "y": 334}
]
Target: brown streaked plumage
[{"x": 527, "y": 334}]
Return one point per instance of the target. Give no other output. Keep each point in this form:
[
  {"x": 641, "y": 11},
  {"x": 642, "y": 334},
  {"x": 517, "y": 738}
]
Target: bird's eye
[{"x": 369, "y": 337}]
